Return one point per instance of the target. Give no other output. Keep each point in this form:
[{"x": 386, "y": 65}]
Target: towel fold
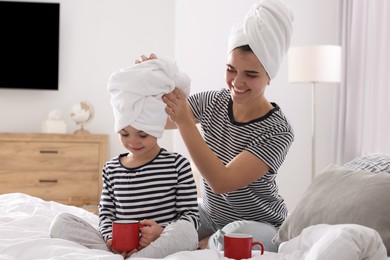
[
  {"x": 267, "y": 29},
  {"x": 136, "y": 94}
]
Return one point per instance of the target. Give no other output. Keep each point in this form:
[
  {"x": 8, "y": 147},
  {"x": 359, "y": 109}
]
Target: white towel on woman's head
[
  {"x": 136, "y": 94},
  {"x": 267, "y": 29}
]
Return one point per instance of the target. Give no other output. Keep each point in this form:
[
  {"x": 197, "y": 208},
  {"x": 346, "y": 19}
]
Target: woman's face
[
  {"x": 245, "y": 77},
  {"x": 137, "y": 142}
]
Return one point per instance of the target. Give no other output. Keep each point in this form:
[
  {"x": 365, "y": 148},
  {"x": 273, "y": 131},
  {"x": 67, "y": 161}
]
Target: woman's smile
[{"x": 239, "y": 92}]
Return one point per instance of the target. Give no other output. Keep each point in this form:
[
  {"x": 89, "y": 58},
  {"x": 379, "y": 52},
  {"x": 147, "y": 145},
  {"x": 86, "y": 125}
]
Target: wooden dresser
[{"x": 61, "y": 167}]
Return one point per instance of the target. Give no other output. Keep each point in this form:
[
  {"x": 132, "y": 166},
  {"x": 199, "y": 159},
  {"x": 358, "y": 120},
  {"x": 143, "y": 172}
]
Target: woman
[{"x": 245, "y": 136}]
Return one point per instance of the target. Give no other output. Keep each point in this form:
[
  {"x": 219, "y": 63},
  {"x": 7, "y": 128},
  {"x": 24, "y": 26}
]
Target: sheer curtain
[{"x": 363, "y": 112}]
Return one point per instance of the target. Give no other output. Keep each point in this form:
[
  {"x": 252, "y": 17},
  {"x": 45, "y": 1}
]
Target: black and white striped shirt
[
  {"x": 163, "y": 190},
  {"x": 268, "y": 137}
]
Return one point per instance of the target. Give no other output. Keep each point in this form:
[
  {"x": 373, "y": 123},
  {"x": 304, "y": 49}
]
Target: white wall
[
  {"x": 100, "y": 36},
  {"x": 97, "y": 37}
]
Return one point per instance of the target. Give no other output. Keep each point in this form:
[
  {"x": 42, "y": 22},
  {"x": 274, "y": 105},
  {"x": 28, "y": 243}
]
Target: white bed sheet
[{"x": 25, "y": 221}]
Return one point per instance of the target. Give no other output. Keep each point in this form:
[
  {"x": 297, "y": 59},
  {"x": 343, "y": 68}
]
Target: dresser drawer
[
  {"x": 58, "y": 156},
  {"x": 76, "y": 188},
  {"x": 65, "y": 168}
]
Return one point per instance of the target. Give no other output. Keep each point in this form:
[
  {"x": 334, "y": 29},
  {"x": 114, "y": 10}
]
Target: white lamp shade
[{"x": 316, "y": 63}]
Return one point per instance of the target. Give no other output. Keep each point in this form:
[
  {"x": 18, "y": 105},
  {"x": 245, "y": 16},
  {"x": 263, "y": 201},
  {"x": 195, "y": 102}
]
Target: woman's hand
[
  {"x": 150, "y": 231},
  {"x": 177, "y": 108},
  {"x": 122, "y": 253},
  {"x": 143, "y": 58}
]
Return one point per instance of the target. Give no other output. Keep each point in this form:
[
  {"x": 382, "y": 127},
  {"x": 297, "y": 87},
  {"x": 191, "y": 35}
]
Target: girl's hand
[
  {"x": 145, "y": 58},
  {"x": 150, "y": 231},
  {"x": 122, "y": 253}
]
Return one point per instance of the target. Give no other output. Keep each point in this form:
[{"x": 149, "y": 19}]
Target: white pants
[
  {"x": 261, "y": 232},
  {"x": 177, "y": 236}
]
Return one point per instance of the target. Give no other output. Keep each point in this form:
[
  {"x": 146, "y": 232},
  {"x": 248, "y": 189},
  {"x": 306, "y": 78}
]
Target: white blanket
[{"x": 24, "y": 235}]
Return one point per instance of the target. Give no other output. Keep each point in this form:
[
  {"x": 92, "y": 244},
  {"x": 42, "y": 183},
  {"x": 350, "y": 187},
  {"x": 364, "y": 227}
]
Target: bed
[{"x": 318, "y": 228}]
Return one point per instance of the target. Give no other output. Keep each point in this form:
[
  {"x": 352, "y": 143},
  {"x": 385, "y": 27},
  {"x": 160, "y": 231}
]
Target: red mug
[
  {"x": 125, "y": 235},
  {"x": 239, "y": 246}
]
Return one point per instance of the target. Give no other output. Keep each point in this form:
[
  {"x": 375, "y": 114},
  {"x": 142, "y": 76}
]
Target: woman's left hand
[
  {"x": 150, "y": 231},
  {"x": 177, "y": 107},
  {"x": 143, "y": 58}
]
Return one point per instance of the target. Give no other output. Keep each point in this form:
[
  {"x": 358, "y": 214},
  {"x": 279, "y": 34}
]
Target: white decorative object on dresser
[{"x": 65, "y": 168}]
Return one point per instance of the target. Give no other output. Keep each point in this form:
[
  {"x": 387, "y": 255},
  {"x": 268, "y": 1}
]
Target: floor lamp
[{"x": 314, "y": 64}]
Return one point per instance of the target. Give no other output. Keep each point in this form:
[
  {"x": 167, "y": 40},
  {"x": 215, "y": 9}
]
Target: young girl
[{"x": 148, "y": 183}]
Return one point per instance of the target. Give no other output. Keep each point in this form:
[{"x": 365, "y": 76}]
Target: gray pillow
[
  {"x": 341, "y": 195},
  {"x": 373, "y": 162}
]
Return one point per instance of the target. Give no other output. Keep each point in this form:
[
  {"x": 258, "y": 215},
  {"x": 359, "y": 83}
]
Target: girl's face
[
  {"x": 245, "y": 77},
  {"x": 138, "y": 142}
]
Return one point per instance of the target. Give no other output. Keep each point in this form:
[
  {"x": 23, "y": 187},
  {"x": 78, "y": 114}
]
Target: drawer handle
[
  {"x": 48, "y": 181},
  {"x": 48, "y": 151}
]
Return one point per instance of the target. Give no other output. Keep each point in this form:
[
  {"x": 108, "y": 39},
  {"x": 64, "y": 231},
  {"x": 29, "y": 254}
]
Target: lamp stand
[
  {"x": 314, "y": 64},
  {"x": 313, "y": 130}
]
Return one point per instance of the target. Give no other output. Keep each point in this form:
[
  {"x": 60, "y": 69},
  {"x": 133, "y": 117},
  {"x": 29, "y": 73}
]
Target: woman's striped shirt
[
  {"x": 163, "y": 190},
  {"x": 269, "y": 138}
]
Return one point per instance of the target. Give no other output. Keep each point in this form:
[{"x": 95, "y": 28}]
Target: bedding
[
  {"x": 356, "y": 192},
  {"x": 341, "y": 195},
  {"x": 372, "y": 162},
  {"x": 25, "y": 221}
]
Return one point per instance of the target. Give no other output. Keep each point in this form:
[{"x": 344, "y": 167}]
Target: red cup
[
  {"x": 239, "y": 246},
  {"x": 125, "y": 235}
]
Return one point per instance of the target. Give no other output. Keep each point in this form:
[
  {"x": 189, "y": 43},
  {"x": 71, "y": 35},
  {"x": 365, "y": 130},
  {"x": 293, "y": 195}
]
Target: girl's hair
[{"x": 245, "y": 48}]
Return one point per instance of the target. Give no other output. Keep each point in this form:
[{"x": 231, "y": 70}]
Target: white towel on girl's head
[
  {"x": 267, "y": 29},
  {"x": 136, "y": 94}
]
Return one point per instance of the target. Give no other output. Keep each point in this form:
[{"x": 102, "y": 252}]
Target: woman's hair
[{"x": 246, "y": 49}]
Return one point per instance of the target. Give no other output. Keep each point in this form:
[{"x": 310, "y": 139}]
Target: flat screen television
[{"x": 29, "y": 45}]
